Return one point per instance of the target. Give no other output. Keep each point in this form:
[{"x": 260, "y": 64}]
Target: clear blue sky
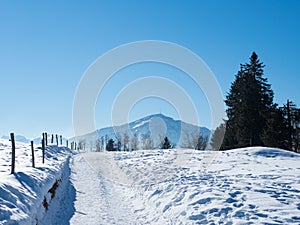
[{"x": 46, "y": 46}]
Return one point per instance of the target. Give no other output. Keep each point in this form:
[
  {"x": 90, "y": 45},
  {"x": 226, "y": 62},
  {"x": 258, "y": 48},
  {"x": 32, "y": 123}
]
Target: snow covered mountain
[
  {"x": 18, "y": 138},
  {"x": 154, "y": 127},
  {"x": 36, "y": 140}
]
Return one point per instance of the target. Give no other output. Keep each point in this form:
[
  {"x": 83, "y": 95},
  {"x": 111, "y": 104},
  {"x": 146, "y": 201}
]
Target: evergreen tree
[
  {"x": 249, "y": 100},
  {"x": 292, "y": 116},
  {"x": 110, "y": 145},
  {"x": 276, "y": 131},
  {"x": 166, "y": 144},
  {"x": 297, "y": 131}
]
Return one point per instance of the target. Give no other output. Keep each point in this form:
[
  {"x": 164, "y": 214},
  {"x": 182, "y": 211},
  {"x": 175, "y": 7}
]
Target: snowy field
[
  {"x": 22, "y": 194},
  {"x": 242, "y": 186}
]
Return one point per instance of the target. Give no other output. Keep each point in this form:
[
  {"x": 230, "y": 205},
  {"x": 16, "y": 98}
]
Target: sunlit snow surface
[
  {"x": 243, "y": 186},
  {"x": 22, "y": 193}
]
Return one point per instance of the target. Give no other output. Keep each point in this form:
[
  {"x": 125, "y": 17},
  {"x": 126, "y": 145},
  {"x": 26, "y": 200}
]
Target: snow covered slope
[
  {"x": 36, "y": 140},
  {"x": 156, "y": 126},
  {"x": 179, "y": 186},
  {"x": 257, "y": 185},
  {"x": 18, "y": 138},
  {"x": 25, "y": 195},
  {"x": 243, "y": 186}
]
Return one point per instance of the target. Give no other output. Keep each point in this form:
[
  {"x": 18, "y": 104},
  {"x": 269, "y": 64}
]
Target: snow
[
  {"x": 156, "y": 126},
  {"x": 255, "y": 184},
  {"x": 179, "y": 186},
  {"x": 140, "y": 124},
  {"x": 22, "y": 193},
  {"x": 18, "y": 138},
  {"x": 243, "y": 186}
]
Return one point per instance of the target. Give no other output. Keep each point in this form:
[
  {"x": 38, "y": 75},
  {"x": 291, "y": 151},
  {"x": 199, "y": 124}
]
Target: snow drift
[
  {"x": 178, "y": 186},
  {"x": 26, "y": 195},
  {"x": 183, "y": 186}
]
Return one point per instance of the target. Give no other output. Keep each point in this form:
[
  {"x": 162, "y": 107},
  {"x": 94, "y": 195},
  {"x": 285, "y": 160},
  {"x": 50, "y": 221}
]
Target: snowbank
[
  {"x": 26, "y": 195},
  {"x": 242, "y": 186},
  {"x": 178, "y": 186}
]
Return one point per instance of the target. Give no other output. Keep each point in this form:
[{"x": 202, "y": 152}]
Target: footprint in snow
[{"x": 201, "y": 201}]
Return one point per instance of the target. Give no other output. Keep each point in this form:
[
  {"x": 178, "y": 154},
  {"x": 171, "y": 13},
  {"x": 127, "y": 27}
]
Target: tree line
[
  {"x": 199, "y": 144},
  {"x": 253, "y": 119},
  {"x": 125, "y": 142}
]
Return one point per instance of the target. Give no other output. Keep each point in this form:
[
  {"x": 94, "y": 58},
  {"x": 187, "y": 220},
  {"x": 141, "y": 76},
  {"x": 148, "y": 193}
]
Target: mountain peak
[{"x": 149, "y": 130}]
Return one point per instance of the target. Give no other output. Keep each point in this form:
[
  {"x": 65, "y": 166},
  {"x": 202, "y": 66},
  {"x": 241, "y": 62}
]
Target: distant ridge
[
  {"x": 156, "y": 127},
  {"x": 18, "y": 138}
]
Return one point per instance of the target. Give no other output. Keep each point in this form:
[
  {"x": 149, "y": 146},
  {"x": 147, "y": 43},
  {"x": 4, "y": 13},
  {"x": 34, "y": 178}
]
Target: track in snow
[
  {"x": 104, "y": 195},
  {"x": 243, "y": 186}
]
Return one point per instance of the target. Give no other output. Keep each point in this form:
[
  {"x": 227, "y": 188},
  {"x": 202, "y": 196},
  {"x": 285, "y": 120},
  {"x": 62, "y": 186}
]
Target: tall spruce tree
[{"x": 249, "y": 102}]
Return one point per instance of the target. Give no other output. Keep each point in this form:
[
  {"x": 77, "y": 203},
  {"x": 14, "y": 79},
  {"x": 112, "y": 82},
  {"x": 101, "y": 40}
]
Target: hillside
[
  {"x": 154, "y": 127},
  {"x": 25, "y": 195},
  {"x": 179, "y": 186}
]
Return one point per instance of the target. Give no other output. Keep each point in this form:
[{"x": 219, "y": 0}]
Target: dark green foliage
[
  {"x": 276, "y": 131},
  {"x": 291, "y": 115},
  {"x": 110, "y": 145},
  {"x": 166, "y": 144},
  {"x": 249, "y": 101},
  {"x": 253, "y": 118}
]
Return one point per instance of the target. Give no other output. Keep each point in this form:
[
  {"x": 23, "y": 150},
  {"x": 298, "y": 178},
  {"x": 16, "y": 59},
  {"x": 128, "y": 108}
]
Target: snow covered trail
[
  {"x": 184, "y": 186},
  {"x": 104, "y": 194}
]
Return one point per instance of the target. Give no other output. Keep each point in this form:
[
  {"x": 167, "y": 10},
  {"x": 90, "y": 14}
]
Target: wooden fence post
[
  {"x": 52, "y": 137},
  {"x": 56, "y": 139},
  {"x": 75, "y": 146},
  {"x": 43, "y": 147},
  {"x": 67, "y": 143},
  {"x": 13, "y": 154},
  {"x": 32, "y": 153},
  {"x": 46, "y": 139},
  {"x": 60, "y": 139}
]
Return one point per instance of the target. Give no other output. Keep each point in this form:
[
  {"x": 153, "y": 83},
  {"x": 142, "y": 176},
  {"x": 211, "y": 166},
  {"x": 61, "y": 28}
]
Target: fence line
[
  {"x": 32, "y": 154},
  {"x": 44, "y": 143},
  {"x": 43, "y": 147},
  {"x": 13, "y": 153}
]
